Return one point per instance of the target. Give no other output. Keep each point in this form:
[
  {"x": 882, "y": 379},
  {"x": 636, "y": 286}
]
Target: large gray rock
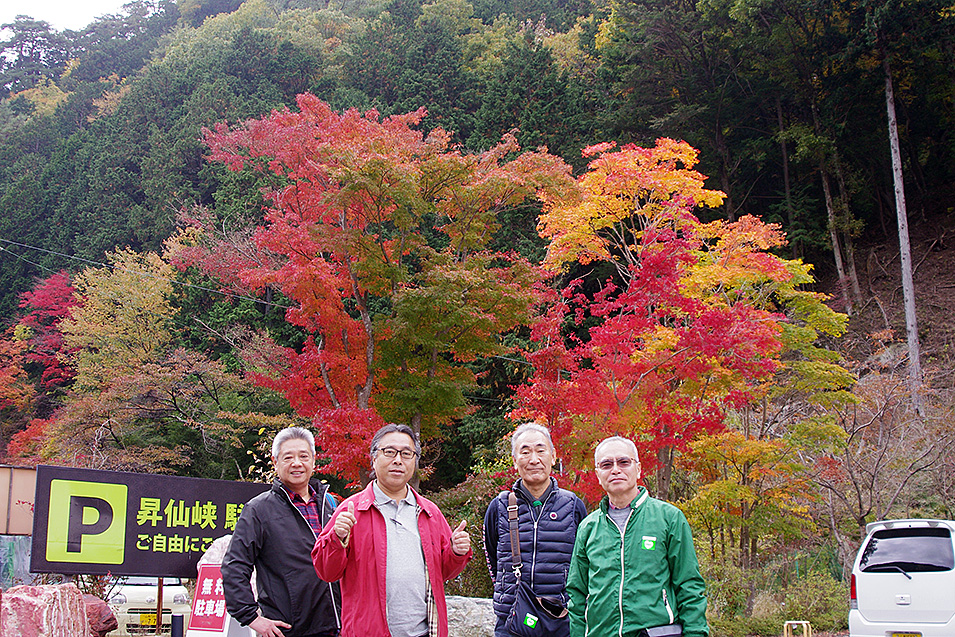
[
  {"x": 470, "y": 617},
  {"x": 215, "y": 554}
]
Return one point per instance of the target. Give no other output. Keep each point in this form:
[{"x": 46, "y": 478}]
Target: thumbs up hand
[
  {"x": 344, "y": 522},
  {"x": 460, "y": 540}
]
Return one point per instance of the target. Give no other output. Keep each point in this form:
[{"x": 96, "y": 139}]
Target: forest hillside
[{"x": 669, "y": 220}]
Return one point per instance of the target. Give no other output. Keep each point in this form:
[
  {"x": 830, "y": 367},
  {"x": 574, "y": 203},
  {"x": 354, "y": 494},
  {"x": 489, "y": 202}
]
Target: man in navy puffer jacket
[{"x": 547, "y": 521}]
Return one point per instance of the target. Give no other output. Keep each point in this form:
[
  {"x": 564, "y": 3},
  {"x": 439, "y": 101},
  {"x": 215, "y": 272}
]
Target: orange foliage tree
[
  {"x": 755, "y": 488},
  {"x": 683, "y": 324},
  {"x": 136, "y": 401},
  {"x": 26, "y": 447},
  {"x": 16, "y": 390}
]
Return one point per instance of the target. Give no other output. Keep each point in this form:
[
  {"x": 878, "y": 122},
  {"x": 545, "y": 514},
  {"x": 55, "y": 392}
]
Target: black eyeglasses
[
  {"x": 608, "y": 463},
  {"x": 391, "y": 452}
]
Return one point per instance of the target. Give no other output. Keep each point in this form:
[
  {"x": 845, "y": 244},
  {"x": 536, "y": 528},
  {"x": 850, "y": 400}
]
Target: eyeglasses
[
  {"x": 608, "y": 463},
  {"x": 391, "y": 452}
]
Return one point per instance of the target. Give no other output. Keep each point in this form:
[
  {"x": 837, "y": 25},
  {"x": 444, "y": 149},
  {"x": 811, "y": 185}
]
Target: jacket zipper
[
  {"x": 587, "y": 614},
  {"x": 331, "y": 592},
  {"x": 622, "y": 574},
  {"x": 536, "y": 520},
  {"x": 622, "y": 564}
]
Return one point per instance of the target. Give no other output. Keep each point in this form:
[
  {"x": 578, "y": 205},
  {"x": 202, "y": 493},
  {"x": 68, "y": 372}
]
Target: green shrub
[
  {"x": 728, "y": 588},
  {"x": 745, "y": 626},
  {"x": 469, "y": 501},
  {"x": 750, "y": 602},
  {"x": 819, "y": 599}
]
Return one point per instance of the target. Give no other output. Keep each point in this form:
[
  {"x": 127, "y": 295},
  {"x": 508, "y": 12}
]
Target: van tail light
[{"x": 853, "y": 600}]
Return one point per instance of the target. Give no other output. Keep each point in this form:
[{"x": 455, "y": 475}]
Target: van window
[{"x": 911, "y": 550}]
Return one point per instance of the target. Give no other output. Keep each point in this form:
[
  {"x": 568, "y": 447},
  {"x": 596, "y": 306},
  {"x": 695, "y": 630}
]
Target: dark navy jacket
[{"x": 547, "y": 537}]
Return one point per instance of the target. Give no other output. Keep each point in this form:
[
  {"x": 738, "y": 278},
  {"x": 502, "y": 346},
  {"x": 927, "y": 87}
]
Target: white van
[
  {"x": 903, "y": 580},
  {"x": 133, "y": 601}
]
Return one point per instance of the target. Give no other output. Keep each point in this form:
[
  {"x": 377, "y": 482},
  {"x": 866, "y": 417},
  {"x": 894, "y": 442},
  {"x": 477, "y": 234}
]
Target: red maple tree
[
  {"x": 47, "y": 304},
  {"x": 379, "y": 235}
]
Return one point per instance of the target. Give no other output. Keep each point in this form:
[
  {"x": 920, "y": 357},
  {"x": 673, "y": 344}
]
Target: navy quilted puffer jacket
[{"x": 547, "y": 535}]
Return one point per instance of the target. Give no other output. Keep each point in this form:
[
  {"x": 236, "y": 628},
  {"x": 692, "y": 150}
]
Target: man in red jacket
[{"x": 392, "y": 549}]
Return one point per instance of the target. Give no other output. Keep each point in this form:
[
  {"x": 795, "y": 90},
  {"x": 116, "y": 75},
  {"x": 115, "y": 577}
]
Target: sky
[{"x": 61, "y": 14}]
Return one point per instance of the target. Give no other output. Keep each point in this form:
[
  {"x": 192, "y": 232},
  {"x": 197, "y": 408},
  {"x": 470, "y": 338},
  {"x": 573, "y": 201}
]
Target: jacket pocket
[{"x": 666, "y": 605}]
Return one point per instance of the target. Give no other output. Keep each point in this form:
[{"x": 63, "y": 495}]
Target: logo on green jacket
[
  {"x": 530, "y": 620},
  {"x": 649, "y": 542}
]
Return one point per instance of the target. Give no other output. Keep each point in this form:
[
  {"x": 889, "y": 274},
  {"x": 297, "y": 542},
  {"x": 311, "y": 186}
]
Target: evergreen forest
[{"x": 672, "y": 220}]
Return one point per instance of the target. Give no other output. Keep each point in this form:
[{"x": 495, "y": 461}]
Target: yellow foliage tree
[
  {"x": 121, "y": 321},
  {"x": 752, "y": 488}
]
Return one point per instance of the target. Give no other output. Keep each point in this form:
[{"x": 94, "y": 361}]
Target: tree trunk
[
  {"x": 834, "y": 237},
  {"x": 905, "y": 251},
  {"x": 744, "y": 536},
  {"x": 833, "y": 221},
  {"x": 664, "y": 472},
  {"x": 790, "y": 214},
  {"x": 363, "y": 390},
  {"x": 726, "y": 172},
  {"x": 881, "y": 202},
  {"x": 853, "y": 280}
]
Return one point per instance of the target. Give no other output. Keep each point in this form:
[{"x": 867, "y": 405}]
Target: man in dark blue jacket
[
  {"x": 547, "y": 522},
  {"x": 274, "y": 535}
]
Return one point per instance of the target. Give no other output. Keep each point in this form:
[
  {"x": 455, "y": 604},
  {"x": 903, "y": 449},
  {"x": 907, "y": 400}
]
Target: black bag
[
  {"x": 531, "y": 615},
  {"x": 535, "y": 616}
]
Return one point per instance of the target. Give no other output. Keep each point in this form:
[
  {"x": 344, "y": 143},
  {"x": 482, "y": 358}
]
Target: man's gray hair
[
  {"x": 523, "y": 429},
  {"x": 393, "y": 428},
  {"x": 626, "y": 441},
  {"x": 292, "y": 433}
]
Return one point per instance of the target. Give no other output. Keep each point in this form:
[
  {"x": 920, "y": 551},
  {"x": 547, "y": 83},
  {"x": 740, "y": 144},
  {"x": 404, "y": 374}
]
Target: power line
[
  {"x": 23, "y": 258},
  {"x": 136, "y": 272},
  {"x": 154, "y": 276}
]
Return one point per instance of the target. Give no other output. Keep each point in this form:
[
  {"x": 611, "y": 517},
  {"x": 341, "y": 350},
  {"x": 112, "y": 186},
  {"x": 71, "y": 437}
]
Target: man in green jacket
[{"x": 634, "y": 570}]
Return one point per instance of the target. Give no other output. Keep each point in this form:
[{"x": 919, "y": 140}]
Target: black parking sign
[{"x": 88, "y": 521}]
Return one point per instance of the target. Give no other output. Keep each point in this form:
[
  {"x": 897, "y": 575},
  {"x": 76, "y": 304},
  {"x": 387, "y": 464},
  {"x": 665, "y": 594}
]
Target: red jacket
[{"x": 361, "y": 565}]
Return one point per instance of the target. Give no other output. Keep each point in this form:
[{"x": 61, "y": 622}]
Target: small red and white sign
[{"x": 208, "y": 602}]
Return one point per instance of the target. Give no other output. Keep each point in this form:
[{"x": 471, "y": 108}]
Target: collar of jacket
[
  {"x": 317, "y": 486},
  {"x": 366, "y": 499},
  {"x": 642, "y": 496},
  {"x": 522, "y": 491}
]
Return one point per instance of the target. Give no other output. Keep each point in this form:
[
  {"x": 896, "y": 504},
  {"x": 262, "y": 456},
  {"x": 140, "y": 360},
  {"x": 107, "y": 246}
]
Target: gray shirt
[
  {"x": 405, "y": 572},
  {"x": 619, "y": 516}
]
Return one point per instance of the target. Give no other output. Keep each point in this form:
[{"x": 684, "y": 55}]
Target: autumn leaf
[{"x": 379, "y": 236}]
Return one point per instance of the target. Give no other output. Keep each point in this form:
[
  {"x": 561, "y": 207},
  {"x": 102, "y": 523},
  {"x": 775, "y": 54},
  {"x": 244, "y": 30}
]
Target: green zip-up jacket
[{"x": 620, "y": 583}]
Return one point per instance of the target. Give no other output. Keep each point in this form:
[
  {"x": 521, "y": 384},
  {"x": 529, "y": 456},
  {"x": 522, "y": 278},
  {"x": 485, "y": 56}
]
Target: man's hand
[
  {"x": 268, "y": 627},
  {"x": 460, "y": 540},
  {"x": 344, "y": 522}
]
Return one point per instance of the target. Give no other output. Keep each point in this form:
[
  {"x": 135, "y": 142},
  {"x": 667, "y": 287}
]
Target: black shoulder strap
[{"x": 515, "y": 535}]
